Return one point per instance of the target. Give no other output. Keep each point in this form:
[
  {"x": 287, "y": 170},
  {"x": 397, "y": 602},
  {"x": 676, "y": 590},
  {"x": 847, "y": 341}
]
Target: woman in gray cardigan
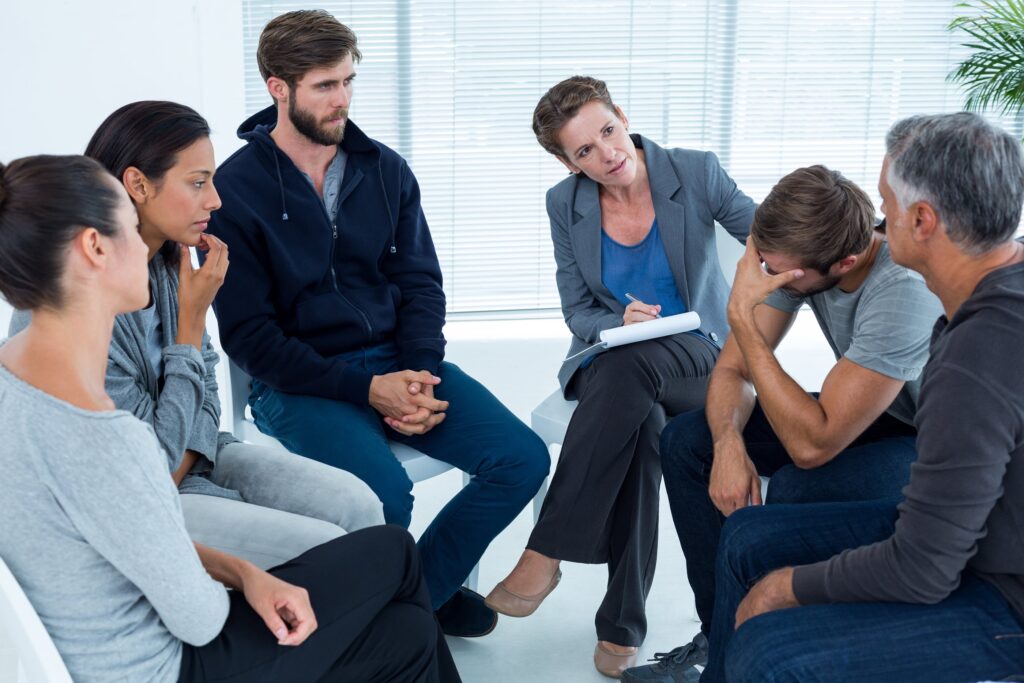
[
  {"x": 263, "y": 504},
  {"x": 634, "y": 235}
]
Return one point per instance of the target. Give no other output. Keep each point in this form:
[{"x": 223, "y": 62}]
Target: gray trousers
[
  {"x": 292, "y": 504},
  {"x": 602, "y": 505}
]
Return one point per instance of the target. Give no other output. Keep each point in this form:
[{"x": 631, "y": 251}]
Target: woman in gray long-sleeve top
[
  {"x": 92, "y": 528},
  {"x": 264, "y": 504},
  {"x": 633, "y": 228}
]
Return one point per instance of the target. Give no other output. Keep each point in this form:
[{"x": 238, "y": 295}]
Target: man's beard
[{"x": 306, "y": 124}]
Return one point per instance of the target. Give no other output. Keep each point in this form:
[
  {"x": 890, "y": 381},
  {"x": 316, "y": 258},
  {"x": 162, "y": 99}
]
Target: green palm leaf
[{"x": 993, "y": 77}]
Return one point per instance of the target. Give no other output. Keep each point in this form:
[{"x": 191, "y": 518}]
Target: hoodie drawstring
[
  {"x": 387, "y": 205},
  {"x": 280, "y": 185}
]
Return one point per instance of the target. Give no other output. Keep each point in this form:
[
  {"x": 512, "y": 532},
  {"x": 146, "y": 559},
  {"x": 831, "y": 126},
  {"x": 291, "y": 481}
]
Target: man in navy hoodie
[{"x": 333, "y": 304}]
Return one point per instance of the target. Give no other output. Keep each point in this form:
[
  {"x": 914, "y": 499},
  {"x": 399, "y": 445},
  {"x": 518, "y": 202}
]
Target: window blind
[{"x": 768, "y": 85}]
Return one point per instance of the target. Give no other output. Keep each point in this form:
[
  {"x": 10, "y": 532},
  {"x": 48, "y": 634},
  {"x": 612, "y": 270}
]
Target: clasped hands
[{"x": 406, "y": 401}]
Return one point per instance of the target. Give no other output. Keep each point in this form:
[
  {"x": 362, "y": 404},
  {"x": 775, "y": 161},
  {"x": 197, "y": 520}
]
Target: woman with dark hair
[
  {"x": 633, "y": 228},
  {"x": 92, "y": 527},
  {"x": 263, "y": 504}
]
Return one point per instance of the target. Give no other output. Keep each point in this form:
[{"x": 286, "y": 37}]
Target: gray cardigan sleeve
[
  {"x": 203, "y": 437},
  {"x": 584, "y": 314},
  {"x": 175, "y": 412}
]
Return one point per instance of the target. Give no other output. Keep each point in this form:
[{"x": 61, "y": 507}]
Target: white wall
[{"x": 69, "y": 64}]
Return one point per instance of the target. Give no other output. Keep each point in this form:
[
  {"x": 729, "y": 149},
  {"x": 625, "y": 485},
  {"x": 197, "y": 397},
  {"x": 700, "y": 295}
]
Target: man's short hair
[
  {"x": 969, "y": 171},
  {"x": 297, "y": 42},
  {"x": 815, "y": 215}
]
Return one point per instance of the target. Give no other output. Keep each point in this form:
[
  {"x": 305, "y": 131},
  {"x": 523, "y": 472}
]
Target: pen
[{"x": 637, "y": 301}]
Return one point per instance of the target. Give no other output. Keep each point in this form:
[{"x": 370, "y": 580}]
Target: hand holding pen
[{"x": 638, "y": 311}]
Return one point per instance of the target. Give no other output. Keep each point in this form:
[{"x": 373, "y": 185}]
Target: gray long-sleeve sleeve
[{"x": 93, "y": 531}]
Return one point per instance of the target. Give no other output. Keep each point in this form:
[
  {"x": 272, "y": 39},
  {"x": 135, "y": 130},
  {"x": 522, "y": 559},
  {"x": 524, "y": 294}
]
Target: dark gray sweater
[{"x": 964, "y": 507}]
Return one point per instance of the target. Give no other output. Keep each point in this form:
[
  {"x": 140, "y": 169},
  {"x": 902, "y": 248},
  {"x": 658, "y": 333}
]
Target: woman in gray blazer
[{"x": 634, "y": 235}]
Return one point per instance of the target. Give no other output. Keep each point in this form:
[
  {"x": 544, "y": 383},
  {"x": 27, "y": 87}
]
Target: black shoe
[
  {"x": 676, "y": 666},
  {"x": 466, "y": 616}
]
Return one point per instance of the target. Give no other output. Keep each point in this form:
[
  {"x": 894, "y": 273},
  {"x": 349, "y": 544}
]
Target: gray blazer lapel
[
  {"x": 586, "y": 238},
  {"x": 670, "y": 214}
]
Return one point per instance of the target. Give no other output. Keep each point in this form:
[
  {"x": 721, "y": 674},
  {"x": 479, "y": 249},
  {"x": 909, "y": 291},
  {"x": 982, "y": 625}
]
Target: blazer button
[{"x": 714, "y": 337}]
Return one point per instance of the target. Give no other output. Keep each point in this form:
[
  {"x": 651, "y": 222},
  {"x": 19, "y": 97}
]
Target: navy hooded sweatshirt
[{"x": 304, "y": 287}]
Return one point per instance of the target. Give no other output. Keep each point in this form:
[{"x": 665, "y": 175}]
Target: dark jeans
[
  {"x": 602, "y": 505},
  {"x": 374, "y": 621},
  {"x": 875, "y": 466},
  {"x": 972, "y": 635},
  {"x": 479, "y": 436}
]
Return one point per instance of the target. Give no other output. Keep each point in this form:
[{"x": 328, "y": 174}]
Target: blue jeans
[
  {"x": 479, "y": 436},
  {"x": 972, "y": 635},
  {"x": 875, "y": 466}
]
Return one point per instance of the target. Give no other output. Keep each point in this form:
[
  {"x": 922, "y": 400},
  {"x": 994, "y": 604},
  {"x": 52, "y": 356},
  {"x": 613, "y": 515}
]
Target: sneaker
[
  {"x": 466, "y": 616},
  {"x": 676, "y": 666}
]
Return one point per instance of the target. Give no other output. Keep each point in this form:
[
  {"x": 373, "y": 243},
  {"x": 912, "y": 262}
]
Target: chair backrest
[
  {"x": 27, "y": 655},
  {"x": 551, "y": 418},
  {"x": 241, "y": 387}
]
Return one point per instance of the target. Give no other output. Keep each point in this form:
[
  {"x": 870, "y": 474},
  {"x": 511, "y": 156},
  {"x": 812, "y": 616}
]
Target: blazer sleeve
[
  {"x": 729, "y": 206},
  {"x": 584, "y": 314}
]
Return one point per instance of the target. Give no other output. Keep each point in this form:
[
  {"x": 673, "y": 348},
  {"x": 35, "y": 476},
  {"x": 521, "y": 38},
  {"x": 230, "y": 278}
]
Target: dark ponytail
[{"x": 45, "y": 201}]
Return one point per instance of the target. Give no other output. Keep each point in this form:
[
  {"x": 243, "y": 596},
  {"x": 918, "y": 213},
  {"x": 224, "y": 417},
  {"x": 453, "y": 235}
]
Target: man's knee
[
  {"x": 744, "y": 536},
  {"x": 520, "y": 461},
  {"x": 395, "y": 494},
  {"x": 764, "y": 650},
  {"x": 536, "y": 461},
  {"x": 685, "y": 445},
  {"x": 790, "y": 484}
]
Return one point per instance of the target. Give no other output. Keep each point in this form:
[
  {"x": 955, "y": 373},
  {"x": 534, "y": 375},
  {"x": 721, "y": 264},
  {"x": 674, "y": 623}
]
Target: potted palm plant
[{"x": 993, "y": 76}]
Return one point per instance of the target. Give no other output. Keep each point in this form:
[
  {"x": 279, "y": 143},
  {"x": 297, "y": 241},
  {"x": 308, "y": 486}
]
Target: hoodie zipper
[{"x": 334, "y": 275}]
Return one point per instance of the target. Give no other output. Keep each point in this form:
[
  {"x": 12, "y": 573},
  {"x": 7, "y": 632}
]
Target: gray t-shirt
[
  {"x": 92, "y": 531},
  {"x": 332, "y": 182},
  {"x": 884, "y": 325}
]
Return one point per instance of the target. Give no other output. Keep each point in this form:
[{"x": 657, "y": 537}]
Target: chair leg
[
  {"x": 473, "y": 580},
  {"x": 538, "y": 500}
]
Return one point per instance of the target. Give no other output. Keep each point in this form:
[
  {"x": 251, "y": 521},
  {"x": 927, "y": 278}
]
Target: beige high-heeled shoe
[
  {"x": 612, "y": 664},
  {"x": 504, "y": 601}
]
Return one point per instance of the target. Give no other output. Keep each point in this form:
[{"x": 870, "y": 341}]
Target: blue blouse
[{"x": 642, "y": 270}]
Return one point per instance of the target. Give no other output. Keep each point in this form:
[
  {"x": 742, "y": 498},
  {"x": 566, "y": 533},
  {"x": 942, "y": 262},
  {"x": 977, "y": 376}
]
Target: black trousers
[
  {"x": 602, "y": 505},
  {"x": 373, "y": 613}
]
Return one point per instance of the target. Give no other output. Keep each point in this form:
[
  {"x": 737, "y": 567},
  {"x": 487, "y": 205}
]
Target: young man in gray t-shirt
[{"x": 812, "y": 241}]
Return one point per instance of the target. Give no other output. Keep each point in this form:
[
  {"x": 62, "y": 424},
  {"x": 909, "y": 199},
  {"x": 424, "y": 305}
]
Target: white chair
[
  {"x": 27, "y": 655},
  {"x": 419, "y": 466}
]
